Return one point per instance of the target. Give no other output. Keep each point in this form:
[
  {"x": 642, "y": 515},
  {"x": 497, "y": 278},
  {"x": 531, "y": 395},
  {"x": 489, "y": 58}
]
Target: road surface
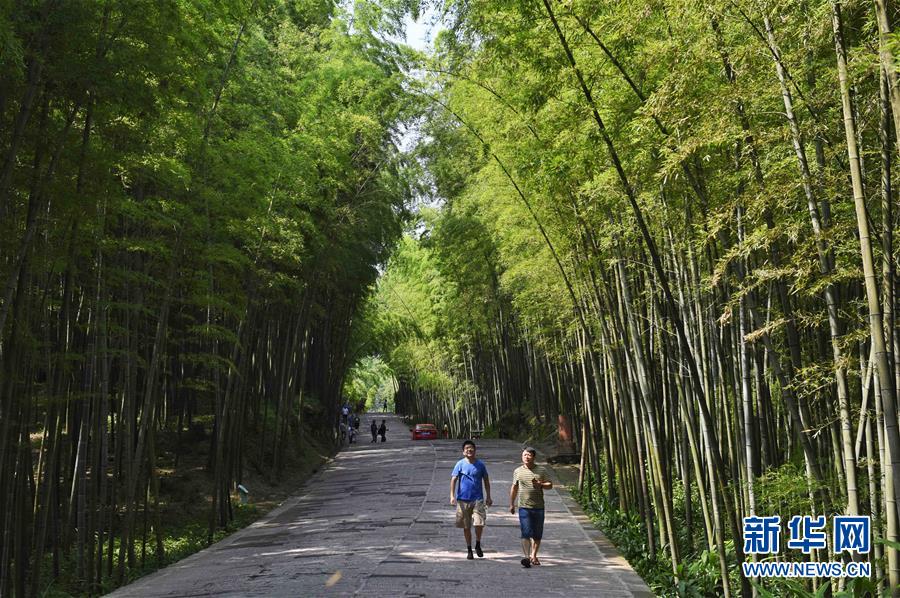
[{"x": 376, "y": 521}]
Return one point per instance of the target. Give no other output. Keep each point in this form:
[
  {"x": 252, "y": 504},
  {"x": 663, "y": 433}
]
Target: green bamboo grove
[
  {"x": 194, "y": 197},
  {"x": 671, "y": 222}
]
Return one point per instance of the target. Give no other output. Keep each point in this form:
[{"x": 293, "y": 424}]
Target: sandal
[{"x": 535, "y": 561}]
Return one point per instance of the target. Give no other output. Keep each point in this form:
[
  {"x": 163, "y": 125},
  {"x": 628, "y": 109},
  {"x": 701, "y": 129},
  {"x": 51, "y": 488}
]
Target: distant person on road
[
  {"x": 352, "y": 434},
  {"x": 468, "y": 475},
  {"x": 382, "y": 430},
  {"x": 446, "y": 431},
  {"x": 529, "y": 482},
  {"x": 374, "y": 431}
]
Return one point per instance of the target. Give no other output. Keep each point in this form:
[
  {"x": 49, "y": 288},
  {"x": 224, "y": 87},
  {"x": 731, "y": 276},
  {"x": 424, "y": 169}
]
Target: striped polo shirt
[{"x": 529, "y": 496}]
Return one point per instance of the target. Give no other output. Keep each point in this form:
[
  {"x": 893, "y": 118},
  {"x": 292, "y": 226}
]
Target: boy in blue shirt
[{"x": 465, "y": 492}]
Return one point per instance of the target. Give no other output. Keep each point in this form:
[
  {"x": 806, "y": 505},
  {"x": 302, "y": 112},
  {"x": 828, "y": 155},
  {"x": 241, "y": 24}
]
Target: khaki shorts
[{"x": 469, "y": 513}]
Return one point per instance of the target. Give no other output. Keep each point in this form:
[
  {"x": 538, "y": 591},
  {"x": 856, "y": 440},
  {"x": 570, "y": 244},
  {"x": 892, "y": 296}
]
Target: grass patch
[
  {"x": 184, "y": 503},
  {"x": 697, "y": 577},
  {"x": 183, "y": 541},
  {"x": 698, "y": 572}
]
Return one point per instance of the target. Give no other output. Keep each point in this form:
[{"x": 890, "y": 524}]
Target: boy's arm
[
  {"x": 487, "y": 491},
  {"x": 453, "y": 490}
]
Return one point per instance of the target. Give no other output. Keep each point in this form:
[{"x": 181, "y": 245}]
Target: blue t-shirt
[{"x": 470, "y": 476}]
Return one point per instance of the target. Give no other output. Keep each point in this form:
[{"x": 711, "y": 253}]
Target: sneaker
[
  {"x": 478, "y": 551},
  {"x": 470, "y": 556},
  {"x": 526, "y": 562}
]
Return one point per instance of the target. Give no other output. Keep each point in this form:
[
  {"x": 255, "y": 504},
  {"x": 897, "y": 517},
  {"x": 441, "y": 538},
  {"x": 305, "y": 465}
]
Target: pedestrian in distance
[
  {"x": 466, "y": 480},
  {"x": 374, "y": 431},
  {"x": 382, "y": 430},
  {"x": 527, "y": 492}
]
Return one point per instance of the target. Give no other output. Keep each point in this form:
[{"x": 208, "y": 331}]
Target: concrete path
[{"x": 377, "y": 522}]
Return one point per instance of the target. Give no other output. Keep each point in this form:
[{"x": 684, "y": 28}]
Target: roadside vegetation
[
  {"x": 667, "y": 224},
  {"x": 672, "y": 224}
]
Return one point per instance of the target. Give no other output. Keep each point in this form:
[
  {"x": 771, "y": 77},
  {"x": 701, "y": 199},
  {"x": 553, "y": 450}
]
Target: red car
[{"x": 424, "y": 432}]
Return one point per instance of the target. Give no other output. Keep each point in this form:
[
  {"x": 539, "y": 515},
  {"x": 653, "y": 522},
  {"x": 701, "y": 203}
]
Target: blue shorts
[{"x": 531, "y": 521}]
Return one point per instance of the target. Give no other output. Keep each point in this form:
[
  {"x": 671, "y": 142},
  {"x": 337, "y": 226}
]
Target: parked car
[{"x": 424, "y": 432}]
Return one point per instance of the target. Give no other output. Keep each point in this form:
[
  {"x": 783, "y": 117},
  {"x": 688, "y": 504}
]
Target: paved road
[{"x": 377, "y": 522}]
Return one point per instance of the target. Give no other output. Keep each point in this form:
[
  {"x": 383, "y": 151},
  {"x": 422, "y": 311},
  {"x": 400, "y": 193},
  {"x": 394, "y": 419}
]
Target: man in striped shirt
[{"x": 529, "y": 482}]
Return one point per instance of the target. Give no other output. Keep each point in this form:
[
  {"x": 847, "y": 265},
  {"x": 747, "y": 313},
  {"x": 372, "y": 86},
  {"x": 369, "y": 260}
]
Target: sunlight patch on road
[{"x": 336, "y": 577}]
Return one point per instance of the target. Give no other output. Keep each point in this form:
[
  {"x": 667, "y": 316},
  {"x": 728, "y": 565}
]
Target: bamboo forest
[{"x": 666, "y": 223}]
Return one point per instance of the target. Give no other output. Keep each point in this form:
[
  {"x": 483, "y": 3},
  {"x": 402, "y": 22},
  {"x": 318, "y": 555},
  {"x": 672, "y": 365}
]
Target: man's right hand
[{"x": 512, "y": 510}]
